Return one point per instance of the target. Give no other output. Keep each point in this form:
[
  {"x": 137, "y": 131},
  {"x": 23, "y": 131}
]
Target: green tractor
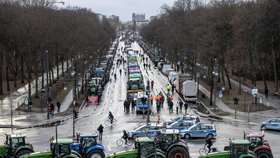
[
  {"x": 170, "y": 142},
  {"x": 236, "y": 149},
  {"x": 15, "y": 146},
  {"x": 58, "y": 149},
  {"x": 145, "y": 147}
]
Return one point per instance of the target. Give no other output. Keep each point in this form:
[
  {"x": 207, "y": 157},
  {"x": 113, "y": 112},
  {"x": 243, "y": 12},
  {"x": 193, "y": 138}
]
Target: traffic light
[{"x": 235, "y": 100}]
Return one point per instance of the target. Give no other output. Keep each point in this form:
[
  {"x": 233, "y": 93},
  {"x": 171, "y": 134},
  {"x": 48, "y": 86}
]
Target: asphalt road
[{"x": 113, "y": 98}]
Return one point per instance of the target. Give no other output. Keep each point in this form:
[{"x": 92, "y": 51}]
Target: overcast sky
[{"x": 121, "y": 8}]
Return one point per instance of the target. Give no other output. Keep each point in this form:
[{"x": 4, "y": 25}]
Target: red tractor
[{"x": 258, "y": 145}]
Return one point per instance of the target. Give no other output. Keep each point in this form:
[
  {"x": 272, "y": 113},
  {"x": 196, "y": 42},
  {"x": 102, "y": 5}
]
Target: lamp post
[
  {"x": 248, "y": 110},
  {"x": 46, "y": 57},
  {"x": 215, "y": 74},
  {"x": 11, "y": 106},
  {"x": 149, "y": 108}
]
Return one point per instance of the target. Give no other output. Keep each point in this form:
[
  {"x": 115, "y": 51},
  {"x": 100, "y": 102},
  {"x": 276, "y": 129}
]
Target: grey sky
[{"x": 121, "y": 8}]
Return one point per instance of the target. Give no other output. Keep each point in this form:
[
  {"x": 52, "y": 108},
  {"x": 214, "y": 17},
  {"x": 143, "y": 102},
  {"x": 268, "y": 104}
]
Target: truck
[
  {"x": 190, "y": 91},
  {"x": 180, "y": 78},
  {"x": 142, "y": 105},
  {"x": 172, "y": 76},
  {"x": 165, "y": 68}
]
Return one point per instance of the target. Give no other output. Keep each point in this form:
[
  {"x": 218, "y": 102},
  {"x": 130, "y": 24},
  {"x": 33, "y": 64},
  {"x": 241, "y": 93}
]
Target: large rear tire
[
  {"x": 23, "y": 152},
  {"x": 96, "y": 154},
  {"x": 263, "y": 153},
  {"x": 155, "y": 156},
  {"x": 178, "y": 152}
]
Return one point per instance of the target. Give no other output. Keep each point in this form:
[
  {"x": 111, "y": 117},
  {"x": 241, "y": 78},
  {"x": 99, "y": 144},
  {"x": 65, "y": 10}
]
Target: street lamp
[
  {"x": 149, "y": 108},
  {"x": 215, "y": 75},
  {"x": 46, "y": 57},
  {"x": 248, "y": 110},
  {"x": 11, "y": 106}
]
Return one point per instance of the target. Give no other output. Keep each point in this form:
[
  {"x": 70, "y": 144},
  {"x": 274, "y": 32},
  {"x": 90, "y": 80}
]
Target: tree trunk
[
  {"x": 228, "y": 79},
  {"x": 239, "y": 81},
  {"x": 274, "y": 66},
  {"x": 211, "y": 90},
  {"x": 57, "y": 69},
  {"x": 36, "y": 82},
  {"x": 7, "y": 78},
  {"x": 43, "y": 72},
  {"x": 1, "y": 73},
  {"x": 62, "y": 67},
  {"x": 22, "y": 68}
]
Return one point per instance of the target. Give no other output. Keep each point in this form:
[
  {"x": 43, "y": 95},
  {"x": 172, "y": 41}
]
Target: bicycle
[
  {"x": 121, "y": 141},
  {"x": 108, "y": 122},
  {"x": 205, "y": 150}
]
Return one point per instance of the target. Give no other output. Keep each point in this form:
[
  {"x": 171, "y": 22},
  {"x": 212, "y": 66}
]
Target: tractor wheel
[
  {"x": 155, "y": 156},
  {"x": 178, "y": 152},
  {"x": 23, "y": 152},
  {"x": 96, "y": 154},
  {"x": 71, "y": 156},
  {"x": 187, "y": 136},
  {"x": 262, "y": 153}
]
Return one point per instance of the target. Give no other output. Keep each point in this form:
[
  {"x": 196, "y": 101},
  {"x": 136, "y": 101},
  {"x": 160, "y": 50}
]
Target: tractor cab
[
  {"x": 146, "y": 147},
  {"x": 15, "y": 143},
  {"x": 167, "y": 137},
  {"x": 61, "y": 147},
  {"x": 88, "y": 146},
  {"x": 135, "y": 84},
  {"x": 240, "y": 148},
  {"x": 256, "y": 139}
]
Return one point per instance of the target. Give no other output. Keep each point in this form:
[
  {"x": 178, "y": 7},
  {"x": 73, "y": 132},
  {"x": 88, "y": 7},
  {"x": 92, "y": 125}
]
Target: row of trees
[
  {"x": 29, "y": 28},
  {"x": 226, "y": 36}
]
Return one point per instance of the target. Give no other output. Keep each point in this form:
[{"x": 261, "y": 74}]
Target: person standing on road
[
  {"x": 181, "y": 106},
  {"x": 266, "y": 92},
  {"x": 152, "y": 84},
  {"x": 177, "y": 107},
  {"x": 167, "y": 88},
  {"x": 172, "y": 88},
  {"x": 126, "y": 106},
  {"x": 152, "y": 100},
  {"x": 186, "y": 108},
  {"x": 58, "y": 106},
  {"x": 100, "y": 131}
]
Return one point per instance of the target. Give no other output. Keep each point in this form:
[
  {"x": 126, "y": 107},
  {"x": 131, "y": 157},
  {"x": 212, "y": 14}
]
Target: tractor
[
  {"x": 258, "y": 145},
  {"x": 236, "y": 149},
  {"x": 145, "y": 147},
  {"x": 60, "y": 148},
  {"x": 15, "y": 146},
  {"x": 169, "y": 141},
  {"x": 87, "y": 146}
]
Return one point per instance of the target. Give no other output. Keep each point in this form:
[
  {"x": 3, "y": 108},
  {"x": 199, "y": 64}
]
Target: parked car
[
  {"x": 180, "y": 125},
  {"x": 183, "y": 118},
  {"x": 273, "y": 123},
  {"x": 200, "y": 130},
  {"x": 145, "y": 130}
]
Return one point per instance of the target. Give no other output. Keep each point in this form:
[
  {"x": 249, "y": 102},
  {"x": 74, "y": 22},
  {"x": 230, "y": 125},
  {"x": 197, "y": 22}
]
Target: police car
[
  {"x": 145, "y": 130},
  {"x": 183, "y": 118},
  {"x": 200, "y": 130},
  {"x": 180, "y": 125},
  {"x": 273, "y": 123}
]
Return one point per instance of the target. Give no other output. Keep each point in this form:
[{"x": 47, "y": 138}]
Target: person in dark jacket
[{"x": 100, "y": 131}]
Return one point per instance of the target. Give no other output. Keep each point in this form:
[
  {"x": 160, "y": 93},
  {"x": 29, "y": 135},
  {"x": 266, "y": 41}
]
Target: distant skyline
[{"x": 121, "y": 8}]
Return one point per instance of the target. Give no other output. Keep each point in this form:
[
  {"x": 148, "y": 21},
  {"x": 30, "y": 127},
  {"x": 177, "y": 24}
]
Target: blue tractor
[{"x": 88, "y": 146}]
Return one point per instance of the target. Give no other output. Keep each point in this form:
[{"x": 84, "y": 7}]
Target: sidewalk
[
  {"x": 21, "y": 93},
  {"x": 270, "y": 101},
  {"x": 28, "y": 119}
]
